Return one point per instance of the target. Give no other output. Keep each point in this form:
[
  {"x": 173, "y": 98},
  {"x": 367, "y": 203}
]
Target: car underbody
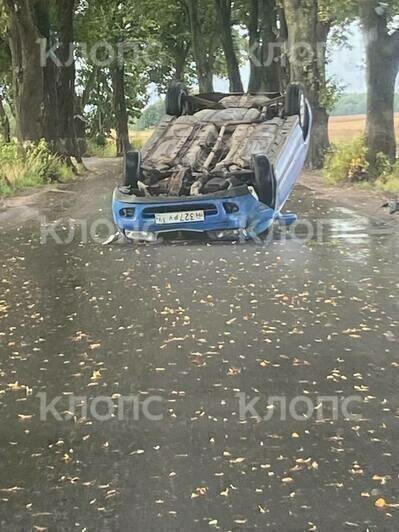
[{"x": 211, "y": 150}]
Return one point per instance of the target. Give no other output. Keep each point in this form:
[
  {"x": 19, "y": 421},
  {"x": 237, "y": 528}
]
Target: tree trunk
[
  {"x": 253, "y": 32},
  {"x": 270, "y": 70},
  {"x": 180, "y": 58},
  {"x": 265, "y": 70},
  {"x": 49, "y": 70},
  {"x": 307, "y": 38},
  {"x": 204, "y": 70},
  {"x": 27, "y": 70},
  {"x": 66, "y": 139},
  {"x": 223, "y": 8},
  {"x": 120, "y": 109},
  {"x": 382, "y": 52},
  {"x": 4, "y": 123}
]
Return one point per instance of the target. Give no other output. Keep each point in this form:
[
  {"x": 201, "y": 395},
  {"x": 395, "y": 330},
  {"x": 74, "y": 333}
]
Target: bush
[
  {"x": 347, "y": 162},
  {"x": 35, "y": 166}
]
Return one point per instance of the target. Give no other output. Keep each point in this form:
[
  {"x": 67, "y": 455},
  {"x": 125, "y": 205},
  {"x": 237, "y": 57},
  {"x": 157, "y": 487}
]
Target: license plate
[{"x": 179, "y": 217}]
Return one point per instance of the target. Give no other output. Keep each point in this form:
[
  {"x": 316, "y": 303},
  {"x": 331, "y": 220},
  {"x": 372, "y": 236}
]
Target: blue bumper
[{"x": 229, "y": 213}]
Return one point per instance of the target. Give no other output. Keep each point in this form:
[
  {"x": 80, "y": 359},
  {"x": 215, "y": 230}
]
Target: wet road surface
[{"x": 190, "y": 327}]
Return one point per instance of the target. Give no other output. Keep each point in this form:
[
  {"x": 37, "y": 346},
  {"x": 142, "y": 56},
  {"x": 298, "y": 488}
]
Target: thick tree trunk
[
  {"x": 265, "y": 70},
  {"x": 270, "y": 71},
  {"x": 4, "y": 123},
  {"x": 120, "y": 109},
  {"x": 223, "y": 8},
  {"x": 382, "y": 52},
  {"x": 202, "y": 61},
  {"x": 27, "y": 70},
  {"x": 307, "y": 38},
  {"x": 66, "y": 139},
  {"x": 49, "y": 70}
]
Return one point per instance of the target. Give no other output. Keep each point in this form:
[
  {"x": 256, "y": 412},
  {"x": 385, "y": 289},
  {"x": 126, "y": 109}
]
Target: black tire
[
  {"x": 265, "y": 180},
  {"x": 295, "y": 104},
  {"x": 131, "y": 169},
  {"x": 176, "y": 104}
]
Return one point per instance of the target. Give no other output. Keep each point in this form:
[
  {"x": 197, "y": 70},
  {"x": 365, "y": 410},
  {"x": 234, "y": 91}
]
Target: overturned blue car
[{"x": 218, "y": 164}]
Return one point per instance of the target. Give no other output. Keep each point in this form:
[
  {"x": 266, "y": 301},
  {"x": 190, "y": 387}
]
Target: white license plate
[{"x": 180, "y": 217}]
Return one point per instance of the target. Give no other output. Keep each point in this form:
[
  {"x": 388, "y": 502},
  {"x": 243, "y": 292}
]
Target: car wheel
[
  {"x": 296, "y": 105},
  {"x": 176, "y": 103},
  {"x": 265, "y": 180},
  {"x": 131, "y": 170}
]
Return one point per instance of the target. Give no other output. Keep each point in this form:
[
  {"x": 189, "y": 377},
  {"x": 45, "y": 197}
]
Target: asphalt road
[{"x": 181, "y": 329}]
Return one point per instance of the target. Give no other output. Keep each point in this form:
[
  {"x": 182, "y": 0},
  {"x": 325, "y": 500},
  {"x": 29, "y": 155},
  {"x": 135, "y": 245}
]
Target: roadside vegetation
[
  {"x": 34, "y": 166},
  {"x": 347, "y": 163}
]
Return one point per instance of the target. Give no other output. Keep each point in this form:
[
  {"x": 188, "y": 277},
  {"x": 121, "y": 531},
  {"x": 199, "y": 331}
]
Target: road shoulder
[{"x": 367, "y": 202}]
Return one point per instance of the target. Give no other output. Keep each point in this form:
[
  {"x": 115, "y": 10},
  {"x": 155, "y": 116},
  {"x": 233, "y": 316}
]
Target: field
[
  {"x": 138, "y": 138},
  {"x": 346, "y": 127},
  {"x": 341, "y": 128}
]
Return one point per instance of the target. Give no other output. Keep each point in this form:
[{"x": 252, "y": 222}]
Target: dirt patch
[{"x": 29, "y": 205}]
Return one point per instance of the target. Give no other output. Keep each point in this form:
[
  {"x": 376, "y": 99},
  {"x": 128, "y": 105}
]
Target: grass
[
  {"x": 390, "y": 182},
  {"x": 107, "y": 147},
  {"x": 106, "y": 151},
  {"x": 35, "y": 167}
]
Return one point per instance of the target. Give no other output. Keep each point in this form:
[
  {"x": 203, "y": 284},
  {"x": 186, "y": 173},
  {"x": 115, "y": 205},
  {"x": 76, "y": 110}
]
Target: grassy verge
[{"x": 37, "y": 166}]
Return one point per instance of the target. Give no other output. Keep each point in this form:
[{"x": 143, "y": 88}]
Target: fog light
[
  {"x": 231, "y": 208},
  {"x": 141, "y": 235},
  {"x": 127, "y": 212}
]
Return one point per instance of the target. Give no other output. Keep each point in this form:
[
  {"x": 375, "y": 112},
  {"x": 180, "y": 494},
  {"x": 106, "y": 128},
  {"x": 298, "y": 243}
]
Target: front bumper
[{"x": 238, "y": 211}]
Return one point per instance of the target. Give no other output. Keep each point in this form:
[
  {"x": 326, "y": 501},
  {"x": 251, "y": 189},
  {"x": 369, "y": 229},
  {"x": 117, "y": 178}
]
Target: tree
[
  {"x": 307, "y": 38},
  {"x": 203, "y": 32},
  {"x": 120, "y": 109},
  {"x": 117, "y": 35},
  {"x": 40, "y": 36},
  {"x": 66, "y": 136},
  {"x": 262, "y": 19},
  {"x": 382, "y": 52},
  {"x": 170, "y": 51},
  {"x": 224, "y": 12},
  {"x": 28, "y": 81}
]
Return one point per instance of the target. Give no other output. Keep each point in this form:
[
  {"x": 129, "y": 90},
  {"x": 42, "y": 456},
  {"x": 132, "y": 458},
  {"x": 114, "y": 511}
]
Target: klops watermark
[
  {"x": 104, "y": 53},
  {"x": 100, "y": 408},
  {"x": 66, "y": 231},
  {"x": 101, "y": 53},
  {"x": 98, "y": 231},
  {"x": 299, "y": 408}
]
